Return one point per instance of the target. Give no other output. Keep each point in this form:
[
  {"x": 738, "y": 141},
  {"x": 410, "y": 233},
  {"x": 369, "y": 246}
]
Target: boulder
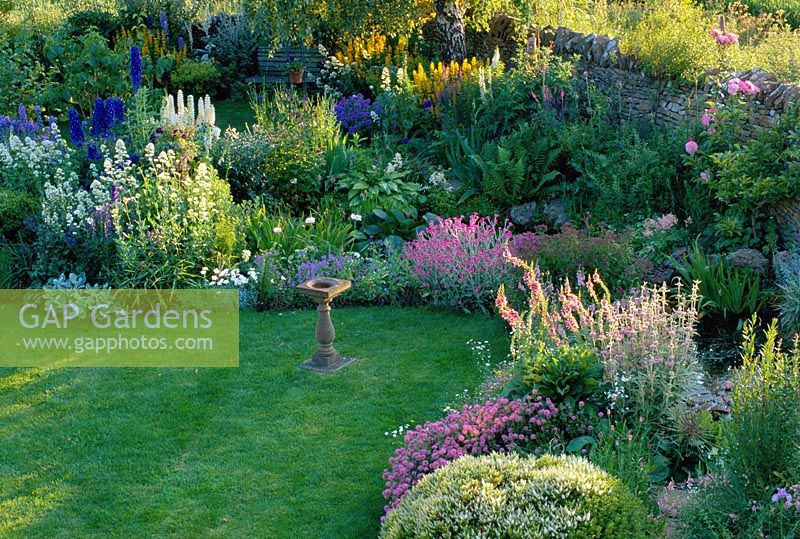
[
  {"x": 555, "y": 213},
  {"x": 525, "y": 214},
  {"x": 748, "y": 258}
]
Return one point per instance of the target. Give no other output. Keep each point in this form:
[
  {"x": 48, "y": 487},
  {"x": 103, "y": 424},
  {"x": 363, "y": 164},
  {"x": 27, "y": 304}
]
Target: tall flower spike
[
  {"x": 98, "y": 118},
  {"x": 201, "y": 112},
  {"x": 136, "y": 69},
  {"x": 189, "y": 110},
  {"x": 76, "y": 134},
  {"x": 181, "y": 104}
]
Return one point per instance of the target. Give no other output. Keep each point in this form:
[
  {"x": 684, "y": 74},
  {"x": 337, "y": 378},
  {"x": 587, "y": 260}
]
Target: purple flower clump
[
  {"x": 501, "y": 426},
  {"x": 330, "y": 265},
  {"x": 356, "y": 113},
  {"x": 36, "y": 128}
]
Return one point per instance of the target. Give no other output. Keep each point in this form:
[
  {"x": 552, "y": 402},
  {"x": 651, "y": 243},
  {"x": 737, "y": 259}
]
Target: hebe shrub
[
  {"x": 511, "y": 496},
  {"x": 532, "y": 424},
  {"x": 460, "y": 263}
]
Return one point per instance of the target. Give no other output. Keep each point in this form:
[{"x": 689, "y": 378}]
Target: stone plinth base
[{"x": 311, "y": 365}]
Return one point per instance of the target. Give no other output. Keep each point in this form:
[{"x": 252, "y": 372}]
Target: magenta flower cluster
[
  {"x": 724, "y": 38},
  {"x": 745, "y": 87},
  {"x": 460, "y": 263},
  {"x": 501, "y": 426}
]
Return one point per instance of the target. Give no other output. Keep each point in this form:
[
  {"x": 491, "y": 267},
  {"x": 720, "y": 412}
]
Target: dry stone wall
[{"x": 640, "y": 96}]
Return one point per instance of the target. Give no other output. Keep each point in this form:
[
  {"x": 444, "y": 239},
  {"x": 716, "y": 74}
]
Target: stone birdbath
[{"x": 323, "y": 290}]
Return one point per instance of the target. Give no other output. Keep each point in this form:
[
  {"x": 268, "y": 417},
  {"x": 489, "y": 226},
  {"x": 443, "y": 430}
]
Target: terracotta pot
[{"x": 296, "y": 77}]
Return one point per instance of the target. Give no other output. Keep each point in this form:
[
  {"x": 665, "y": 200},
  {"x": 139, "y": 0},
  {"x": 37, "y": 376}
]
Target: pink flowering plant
[
  {"x": 530, "y": 425},
  {"x": 459, "y": 263},
  {"x": 742, "y": 175},
  {"x": 656, "y": 238},
  {"x": 645, "y": 341}
]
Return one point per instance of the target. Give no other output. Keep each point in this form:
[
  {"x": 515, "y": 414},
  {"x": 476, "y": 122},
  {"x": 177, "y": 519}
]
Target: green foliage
[
  {"x": 762, "y": 439},
  {"x": 284, "y": 156},
  {"x": 14, "y": 207},
  {"x": 672, "y": 40},
  {"x": 87, "y": 68},
  {"x": 505, "y": 495},
  {"x": 564, "y": 254},
  {"x": 725, "y": 290},
  {"x": 25, "y": 76},
  {"x": 372, "y": 185},
  {"x": 277, "y": 231},
  {"x": 564, "y": 374},
  {"x": 196, "y": 77},
  {"x": 759, "y": 448},
  {"x": 103, "y": 21},
  {"x": 626, "y": 452},
  {"x": 630, "y": 176},
  {"x": 233, "y": 46},
  {"x": 180, "y": 222},
  {"x": 750, "y": 177},
  {"x": 503, "y": 174},
  {"x": 789, "y": 9}
]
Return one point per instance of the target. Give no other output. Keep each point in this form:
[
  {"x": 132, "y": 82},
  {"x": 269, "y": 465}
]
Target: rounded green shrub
[
  {"x": 505, "y": 495},
  {"x": 14, "y": 207},
  {"x": 196, "y": 77}
]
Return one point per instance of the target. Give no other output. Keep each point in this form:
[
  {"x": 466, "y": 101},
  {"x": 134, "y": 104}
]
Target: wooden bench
[{"x": 272, "y": 65}]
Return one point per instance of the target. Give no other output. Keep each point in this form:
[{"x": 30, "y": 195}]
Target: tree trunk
[{"x": 450, "y": 26}]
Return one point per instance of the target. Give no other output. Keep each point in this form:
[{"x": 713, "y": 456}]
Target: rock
[
  {"x": 525, "y": 214},
  {"x": 555, "y": 213},
  {"x": 748, "y": 258}
]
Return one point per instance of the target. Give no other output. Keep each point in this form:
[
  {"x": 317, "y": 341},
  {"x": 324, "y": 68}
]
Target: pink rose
[
  {"x": 691, "y": 147},
  {"x": 748, "y": 88},
  {"x": 705, "y": 119},
  {"x": 733, "y": 86}
]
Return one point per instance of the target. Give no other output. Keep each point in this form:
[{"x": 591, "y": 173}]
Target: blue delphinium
[
  {"x": 99, "y": 119},
  {"x": 136, "y": 69},
  {"x": 356, "y": 113},
  {"x": 92, "y": 152},
  {"x": 162, "y": 21},
  {"x": 22, "y": 113},
  {"x": 115, "y": 111},
  {"x": 76, "y": 134}
]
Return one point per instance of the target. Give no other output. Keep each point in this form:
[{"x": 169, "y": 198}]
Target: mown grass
[
  {"x": 264, "y": 450},
  {"x": 232, "y": 113}
]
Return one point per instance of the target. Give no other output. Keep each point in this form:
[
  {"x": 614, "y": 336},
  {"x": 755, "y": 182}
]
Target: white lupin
[
  {"x": 190, "y": 109},
  {"x": 201, "y": 113}
]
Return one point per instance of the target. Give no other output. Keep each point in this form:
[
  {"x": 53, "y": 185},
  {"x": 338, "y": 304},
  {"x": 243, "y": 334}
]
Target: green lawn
[
  {"x": 265, "y": 450},
  {"x": 236, "y": 114}
]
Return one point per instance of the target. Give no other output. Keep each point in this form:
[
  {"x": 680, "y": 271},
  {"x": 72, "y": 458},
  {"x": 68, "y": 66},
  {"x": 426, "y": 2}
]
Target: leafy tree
[{"x": 279, "y": 21}]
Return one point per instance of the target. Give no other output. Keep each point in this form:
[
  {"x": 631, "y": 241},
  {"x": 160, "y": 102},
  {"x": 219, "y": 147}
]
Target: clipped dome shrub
[{"x": 505, "y": 495}]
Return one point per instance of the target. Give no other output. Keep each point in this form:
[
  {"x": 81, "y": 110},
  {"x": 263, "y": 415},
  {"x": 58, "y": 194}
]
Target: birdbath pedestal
[{"x": 323, "y": 290}]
